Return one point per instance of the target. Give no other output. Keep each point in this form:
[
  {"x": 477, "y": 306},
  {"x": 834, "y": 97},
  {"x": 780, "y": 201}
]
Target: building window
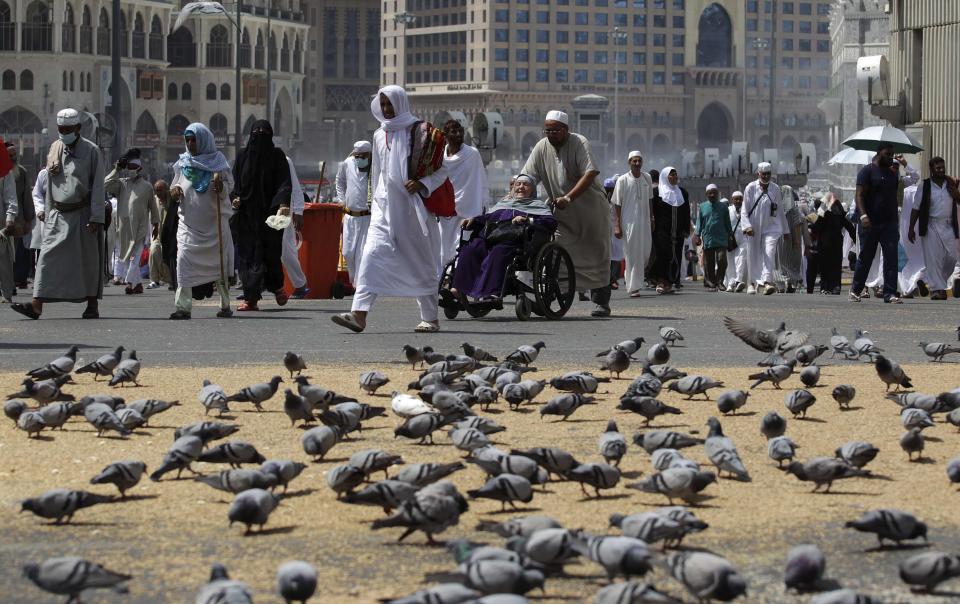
[
  {"x": 372, "y": 44},
  {"x": 620, "y": 20},
  {"x": 351, "y": 44},
  {"x": 562, "y": 56},
  {"x": 659, "y": 20},
  {"x": 751, "y": 25},
  {"x": 581, "y": 37},
  {"x": 155, "y": 45},
  {"x": 639, "y": 77},
  {"x": 224, "y": 92},
  {"x": 37, "y": 30},
  {"x": 639, "y": 58},
  {"x": 501, "y": 16},
  {"x": 823, "y": 82},
  {"x": 678, "y": 40},
  {"x": 103, "y": 33},
  {"x": 181, "y": 49},
  {"x": 523, "y": 16},
  {"x": 822, "y": 45},
  {"x": 805, "y": 45},
  {"x": 787, "y": 27},
  {"x": 600, "y": 77},
  {"x": 751, "y": 6},
  {"x": 543, "y": 75},
  {"x": 751, "y": 62},
  {"x": 786, "y": 8},
  {"x": 659, "y": 39},
  {"x": 68, "y": 31},
  {"x": 823, "y": 9},
  {"x": 600, "y": 37},
  {"x": 543, "y": 36},
  {"x": 600, "y": 57},
  {"x": 787, "y": 44},
  {"x": 805, "y": 8},
  {"x": 501, "y": 35},
  {"x": 563, "y": 37},
  {"x": 639, "y": 39},
  {"x": 86, "y": 32},
  {"x": 543, "y": 18},
  {"x": 543, "y": 55},
  {"x": 806, "y": 27},
  {"x": 560, "y": 75},
  {"x": 786, "y": 62},
  {"x": 500, "y": 74},
  {"x": 139, "y": 37},
  {"x": 639, "y": 20},
  {"x": 678, "y": 22},
  {"x": 582, "y": 18},
  {"x": 659, "y": 58},
  {"x": 677, "y": 59},
  {"x": 823, "y": 27},
  {"x": 211, "y": 92},
  {"x": 581, "y": 56},
  {"x": 580, "y": 76},
  {"x": 522, "y": 74},
  {"x": 600, "y": 19},
  {"x": 171, "y": 91},
  {"x": 677, "y": 79},
  {"x": 804, "y": 82},
  {"x": 523, "y": 36},
  {"x": 659, "y": 77},
  {"x": 804, "y": 63},
  {"x": 563, "y": 18},
  {"x": 522, "y": 55},
  {"x": 186, "y": 92},
  {"x": 499, "y": 54},
  {"x": 786, "y": 82},
  {"x": 219, "y": 49}
]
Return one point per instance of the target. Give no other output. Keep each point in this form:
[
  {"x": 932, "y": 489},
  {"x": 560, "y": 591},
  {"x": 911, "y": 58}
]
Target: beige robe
[
  {"x": 136, "y": 212},
  {"x": 584, "y": 226}
]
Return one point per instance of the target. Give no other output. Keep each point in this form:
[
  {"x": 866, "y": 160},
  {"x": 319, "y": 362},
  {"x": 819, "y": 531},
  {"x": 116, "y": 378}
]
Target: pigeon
[
  {"x": 69, "y": 576},
  {"x": 374, "y": 460},
  {"x": 124, "y": 474},
  {"x": 422, "y": 427},
  {"x": 565, "y": 405},
  {"x": 669, "y": 335},
  {"x": 723, "y": 453},
  {"x": 662, "y": 459},
  {"x": 296, "y": 581},
  {"x": 423, "y": 474},
  {"x": 823, "y": 471},
  {"x": 372, "y": 381},
  {"x": 912, "y": 442},
  {"x": 114, "y": 402},
  {"x": 506, "y": 379},
  {"x": 798, "y": 401},
  {"x": 924, "y": 572},
  {"x": 840, "y": 345},
  {"x": 937, "y": 350},
  {"x": 505, "y": 488},
  {"x": 805, "y": 567},
  {"x": 130, "y": 418},
  {"x": 521, "y": 526},
  {"x": 257, "y": 393},
  {"x": 953, "y": 470},
  {"x": 612, "y": 445},
  {"x": 430, "y": 356},
  {"x": 103, "y": 418},
  {"x": 647, "y": 407},
  {"x": 730, "y": 400},
  {"x": 628, "y": 346},
  {"x": 526, "y": 354},
  {"x": 294, "y": 362},
  {"x": 772, "y": 425},
  {"x": 774, "y": 374},
  {"x": 320, "y": 398},
  {"x": 844, "y": 394},
  {"x": 631, "y": 592},
  {"x": 251, "y": 507},
  {"x": 476, "y": 353},
  {"x": 778, "y": 340},
  {"x": 413, "y": 355},
  {"x": 213, "y": 398},
  {"x": 150, "y": 407},
  {"x": 55, "y": 415},
  {"x": 577, "y": 382},
  {"x": 645, "y": 384},
  {"x": 13, "y": 408},
  {"x": 448, "y": 403},
  {"x": 445, "y": 593},
  {"x": 550, "y": 546},
  {"x": 127, "y": 370},
  {"x": 857, "y": 453},
  {"x": 500, "y": 577},
  {"x": 57, "y": 504},
  {"x": 386, "y": 494},
  {"x": 864, "y": 346},
  {"x": 297, "y": 408},
  {"x": 808, "y": 353},
  {"x": 664, "y": 439},
  {"x": 407, "y": 406},
  {"x": 483, "y": 424},
  {"x": 809, "y": 376},
  {"x": 237, "y": 481},
  {"x": 891, "y": 373},
  {"x": 486, "y": 396},
  {"x": 652, "y": 527},
  {"x": 781, "y": 449},
  {"x": 282, "y": 470},
  {"x": 915, "y": 418},
  {"x": 616, "y": 362},
  {"x": 466, "y": 552},
  {"x": 706, "y": 576},
  {"x": 468, "y": 439},
  {"x": 597, "y": 475},
  {"x": 842, "y": 596},
  {"x": 44, "y": 391},
  {"x": 494, "y": 463},
  {"x": 206, "y": 431},
  {"x": 234, "y": 452},
  {"x": 222, "y": 589},
  {"x": 618, "y": 555},
  {"x": 658, "y": 354},
  {"x": 183, "y": 452},
  {"x": 104, "y": 365},
  {"x": 918, "y": 400},
  {"x": 344, "y": 479},
  {"x": 433, "y": 509},
  {"x": 954, "y": 418},
  {"x": 31, "y": 422},
  {"x": 665, "y": 373},
  {"x": 693, "y": 385},
  {"x": 890, "y": 524},
  {"x": 58, "y": 367},
  {"x": 554, "y": 461}
]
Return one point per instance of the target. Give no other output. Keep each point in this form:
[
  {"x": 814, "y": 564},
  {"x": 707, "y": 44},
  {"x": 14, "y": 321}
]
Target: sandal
[
  {"x": 247, "y": 307},
  {"x": 180, "y": 315},
  {"x": 426, "y": 327},
  {"x": 25, "y": 310},
  {"x": 281, "y": 298},
  {"x": 90, "y": 314},
  {"x": 347, "y": 320},
  {"x": 635, "y": 293},
  {"x": 661, "y": 290}
]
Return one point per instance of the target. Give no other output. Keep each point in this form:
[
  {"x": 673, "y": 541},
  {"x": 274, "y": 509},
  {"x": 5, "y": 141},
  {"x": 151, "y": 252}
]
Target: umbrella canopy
[
  {"x": 851, "y": 156},
  {"x": 868, "y": 139}
]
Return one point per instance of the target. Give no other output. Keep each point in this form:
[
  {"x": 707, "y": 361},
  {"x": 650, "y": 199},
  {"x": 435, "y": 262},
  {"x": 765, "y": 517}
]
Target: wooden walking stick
[{"x": 217, "y": 190}]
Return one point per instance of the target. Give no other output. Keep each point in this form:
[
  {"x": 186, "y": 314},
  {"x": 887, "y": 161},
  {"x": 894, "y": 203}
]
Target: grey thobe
[
  {"x": 136, "y": 212},
  {"x": 70, "y": 267},
  {"x": 583, "y": 228}
]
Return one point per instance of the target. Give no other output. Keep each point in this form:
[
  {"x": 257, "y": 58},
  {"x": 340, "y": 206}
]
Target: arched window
[
  {"x": 172, "y": 91},
  {"x": 224, "y": 92},
  {"x": 177, "y": 125},
  {"x": 18, "y": 119},
  {"x": 89, "y": 85},
  {"x": 245, "y": 49},
  {"x": 715, "y": 44},
  {"x": 297, "y": 58},
  {"x": 186, "y": 92},
  {"x": 218, "y": 125},
  {"x": 38, "y": 28},
  {"x": 285, "y": 54},
  {"x": 146, "y": 125},
  {"x": 248, "y": 126},
  {"x": 68, "y": 31},
  {"x": 124, "y": 36},
  {"x": 82, "y": 87},
  {"x": 272, "y": 51},
  {"x": 211, "y": 92},
  {"x": 139, "y": 37},
  {"x": 156, "y": 39},
  {"x": 8, "y": 28},
  {"x": 26, "y": 80},
  {"x": 219, "y": 49},
  {"x": 86, "y": 31},
  {"x": 181, "y": 49},
  {"x": 64, "y": 85},
  {"x": 103, "y": 33},
  {"x": 258, "y": 52},
  {"x": 71, "y": 82}
]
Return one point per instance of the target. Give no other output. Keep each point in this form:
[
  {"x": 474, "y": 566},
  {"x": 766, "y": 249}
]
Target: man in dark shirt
[{"x": 876, "y": 199}]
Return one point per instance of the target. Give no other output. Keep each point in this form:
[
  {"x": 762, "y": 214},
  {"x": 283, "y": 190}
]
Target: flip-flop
[
  {"x": 347, "y": 320},
  {"x": 635, "y": 294},
  {"x": 247, "y": 307},
  {"x": 25, "y": 310},
  {"x": 426, "y": 327}
]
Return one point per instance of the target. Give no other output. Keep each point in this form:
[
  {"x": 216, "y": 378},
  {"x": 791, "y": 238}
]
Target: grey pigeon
[
  {"x": 953, "y": 418},
  {"x": 213, "y": 398},
  {"x": 422, "y": 427},
  {"x": 477, "y": 353},
  {"x": 486, "y": 396},
  {"x": 464, "y": 551},
  {"x": 731, "y": 400},
  {"x": 413, "y": 355},
  {"x": 257, "y": 393},
  {"x": 55, "y": 415},
  {"x": 658, "y": 354},
  {"x": 293, "y": 362},
  {"x": 915, "y": 418},
  {"x": 647, "y": 407},
  {"x": 445, "y": 593},
  {"x": 662, "y": 459},
  {"x": 237, "y": 481},
  {"x": 628, "y": 346},
  {"x": 706, "y": 576},
  {"x": 344, "y": 479},
  {"x": 722, "y": 452},
  {"x": 70, "y": 576},
  {"x": 618, "y": 555},
  {"x": 282, "y": 470},
  {"x": 505, "y": 488},
  {"x": 500, "y": 577},
  {"x": 252, "y": 507},
  {"x": 374, "y": 460},
  {"x": 496, "y": 463},
  {"x": 798, "y": 401},
  {"x": 616, "y": 362},
  {"x": 808, "y": 353},
  {"x": 320, "y": 398},
  {"x": 890, "y": 373},
  {"x": 612, "y": 445},
  {"x": 104, "y": 418},
  {"x": 937, "y": 350},
  {"x": 206, "y": 431},
  {"x": 56, "y": 368},
  {"x": 104, "y": 365},
  {"x": 631, "y": 592},
  {"x": 372, "y": 381},
  {"x": 809, "y": 376},
  {"x": 130, "y": 418},
  {"x": 840, "y": 345},
  {"x": 597, "y": 475},
  {"x": 31, "y": 422},
  {"x": 483, "y": 424},
  {"x": 912, "y": 442},
  {"x": 526, "y": 354},
  {"x": 150, "y": 407},
  {"x": 430, "y": 356},
  {"x": 433, "y": 509},
  {"x": 550, "y": 546},
  {"x": 297, "y": 408},
  {"x": 13, "y": 408},
  {"x": 564, "y": 405},
  {"x": 772, "y": 425},
  {"x": 804, "y": 568},
  {"x": 553, "y": 460},
  {"x": 296, "y": 581},
  {"x": 864, "y": 346},
  {"x": 57, "y": 504},
  {"x": 924, "y": 572},
  {"x": 221, "y": 589},
  {"x": 468, "y": 439},
  {"x": 676, "y": 483},
  {"x": 521, "y": 526},
  {"x": 951, "y": 400},
  {"x": 665, "y": 373},
  {"x": 953, "y": 470},
  {"x": 645, "y": 384},
  {"x": 234, "y": 452},
  {"x": 505, "y": 380},
  {"x": 844, "y": 394},
  {"x": 423, "y": 474},
  {"x": 124, "y": 474},
  {"x": 781, "y": 449},
  {"x": 386, "y": 494},
  {"x": 774, "y": 374},
  {"x": 890, "y": 524},
  {"x": 114, "y": 402},
  {"x": 857, "y": 453},
  {"x": 778, "y": 340},
  {"x": 577, "y": 382},
  {"x": 918, "y": 400},
  {"x": 669, "y": 335},
  {"x": 128, "y": 370},
  {"x": 842, "y": 596},
  {"x": 693, "y": 385},
  {"x": 45, "y": 391},
  {"x": 664, "y": 439},
  {"x": 183, "y": 452},
  {"x": 823, "y": 471}
]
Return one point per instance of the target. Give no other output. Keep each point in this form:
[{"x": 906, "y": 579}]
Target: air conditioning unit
[
  {"x": 740, "y": 158},
  {"x": 711, "y": 161},
  {"x": 444, "y": 116},
  {"x": 873, "y": 79},
  {"x": 805, "y": 158},
  {"x": 488, "y": 129}
]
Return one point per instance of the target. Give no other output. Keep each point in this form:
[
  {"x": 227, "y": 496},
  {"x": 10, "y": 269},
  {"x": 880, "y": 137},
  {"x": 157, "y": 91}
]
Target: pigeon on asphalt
[
  {"x": 372, "y": 381},
  {"x": 577, "y": 382},
  {"x": 44, "y": 391},
  {"x": 344, "y": 479},
  {"x": 842, "y": 596},
  {"x": 477, "y": 353},
  {"x": 864, "y": 346},
  {"x": 676, "y": 483},
  {"x": 808, "y": 353},
  {"x": 918, "y": 400},
  {"x": 912, "y": 442},
  {"x": 494, "y": 463},
  {"x": 13, "y": 408},
  {"x": 296, "y": 581},
  {"x": 890, "y": 524},
  {"x": 652, "y": 527},
  {"x": 844, "y": 394},
  {"x": 374, "y": 460},
  {"x": 953, "y": 418},
  {"x": 423, "y": 474},
  {"x": 252, "y": 507},
  {"x": 430, "y": 356},
  {"x": 565, "y": 405},
  {"x": 114, "y": 402},
  {"x": 237, "y": 481},
  {"x": 857, "y": 453},
  {"x": 104, "y": 365},
  {"x": 616, "y": 362},
  {"x": 840, "y": 345},
  {"x": 444, "y": 593},
  {"x": 206, "y": 431},
  {"x": 778, "y": 340},
  {"x": 553, "y": 460},
  {"x": 953, "y": 470},
  {"x": 183, "y": 452},
  {"x": 386, "y": 494},
  {"x": 798, "y": 401},
  {"x": 257, "y": 393},
  {"x": 526, "y": 354},
  {"x": 297, "y": 408},
  {"x": 647, "y": 407},
  {"x": 213, "y": 398},
  {"x": 57, "y": 504},
  {"x": 628, "y": 346},
  {"x": 924, "y": 572},
  {"x": 915, "y": 418},
  {"x": 664, "y": 439},
  {"x": 320, "y": 398},
  {"x": 31, "y": 422},
  {"x": 781, "y": 449},
  {"x": 234, "y": 452},
  {"x": 55, "y": 415},
  {"x": 468, "y": 439},
  {"x": 124, "y": 474},
  {"x": 70, "y": 576},
  {"x": 222, "y": 589},
  {"x": 550, "y": 547},
  {"x": 772, "y": 425},
  {"x": 937, "y": 350},
  {"x": 505, "y": 488},
  {"x": 127, "y": 370},
  {"x": 804, "y": 568},
  {"x": 658, "y": 354},
  {"x": 665, "y": 373},
  {"x": 486, "y": 396},
  {"x": 521, "y": 526},
  {"x": 890, "y": 373},
  {"x": 706, "y": 576},
  {"x": 413, "y": 355},
  {"x": 597, "y": 475},
  {"x": 810, "y": 376},
  {"x": 283, "y": 471},
  {"x": 464, "y": 551},
  {"x": 618, "y": 555},
  {"x": 823, "y": 471},
  {"x": 612, "y": 445},
  {"x": 774, "y": 374},
  {"x": 723, "y": 453},
  {"x": 293, "y": 362},
  {"x": 103, "y": 418},
  {"x": 631, "y": 592},
  {"x": 433, "y": 509},
  {"x": 56, "y": 368},
  {"x": 669, "y": 335},
  {"x": 693, "y": 385}
]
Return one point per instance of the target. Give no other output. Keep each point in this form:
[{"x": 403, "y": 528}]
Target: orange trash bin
[{"x": 320, "y": 251}]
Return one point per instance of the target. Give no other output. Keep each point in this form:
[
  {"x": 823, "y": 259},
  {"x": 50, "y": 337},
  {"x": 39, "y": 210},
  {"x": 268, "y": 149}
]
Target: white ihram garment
[
  {"x": 939, "y": 245},
  {"x": 737, "y": 259},
  {"x": 755, "y": 213},
  {"x": 468, "y": 176},
  {"x": 289, "y": 257},
  {"x": 632, "y": 194},
  {"x": 913, "y": 271}
]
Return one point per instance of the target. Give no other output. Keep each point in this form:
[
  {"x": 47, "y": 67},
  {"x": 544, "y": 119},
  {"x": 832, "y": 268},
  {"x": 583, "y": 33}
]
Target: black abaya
[{"x": 671, "y": 227}]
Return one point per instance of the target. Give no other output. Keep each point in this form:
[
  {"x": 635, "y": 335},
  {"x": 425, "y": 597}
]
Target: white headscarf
[
  {"x": 671, "y": 194},
  {"x": 401, "y": 107}
]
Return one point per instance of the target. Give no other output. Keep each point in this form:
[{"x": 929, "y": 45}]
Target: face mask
[
  {"x": 362, "y": 162},
  {"x": 68, "y": 139}
]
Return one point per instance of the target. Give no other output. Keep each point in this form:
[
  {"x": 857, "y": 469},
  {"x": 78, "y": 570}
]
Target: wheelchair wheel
[
  {"x": 523, "y": 308},
  {"x": 554, "y": 282},
  {"x": 450, "y": 312},
  {"x": 476, "y": 311}
]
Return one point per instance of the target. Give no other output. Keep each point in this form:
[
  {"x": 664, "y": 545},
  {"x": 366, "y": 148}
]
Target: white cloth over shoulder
[
  {"x": 198, "y": 257},
  {"x": 633, "y": 195},
  {"x": 913, "y": 271},
  {"x": 768, "y": 223},
  {"x": 468, "y": 176},
  {"x": 352, "y": 186}
]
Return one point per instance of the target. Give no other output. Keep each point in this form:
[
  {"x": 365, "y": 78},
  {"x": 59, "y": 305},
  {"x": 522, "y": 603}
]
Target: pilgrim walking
[
  {"x": 763, "y": 222},
  {"x": 353, "y": 194},
  {"x": 632, "y": 196},
  {"x": 671, "y": 226}
]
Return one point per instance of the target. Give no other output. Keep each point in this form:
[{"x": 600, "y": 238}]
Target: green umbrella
[{"x": 869, "y": 138}]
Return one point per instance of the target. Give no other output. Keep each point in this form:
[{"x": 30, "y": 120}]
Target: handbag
[
  {"x": 731, "y": 242},
  {"x": 504, "y": 232}
]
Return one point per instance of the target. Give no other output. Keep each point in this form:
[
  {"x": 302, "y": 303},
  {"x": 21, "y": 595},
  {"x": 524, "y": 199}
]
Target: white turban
[
  {"x": 634, "y": 154},
  {"x": 737, "y": 194},
  {"x": 558, "y": 116},
  {"x": 712, "y": 187},
  {"x": 764, "y": 166},
  {"x": 68, "y": 117},
  {"x": 361, "y": 147}
]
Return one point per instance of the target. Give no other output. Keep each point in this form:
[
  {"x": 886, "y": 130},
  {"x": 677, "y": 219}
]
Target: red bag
[
  {"x": 145, "y": 256},
  {"x": 442, "y": 201},
  {"x": 426, "y": 157}
]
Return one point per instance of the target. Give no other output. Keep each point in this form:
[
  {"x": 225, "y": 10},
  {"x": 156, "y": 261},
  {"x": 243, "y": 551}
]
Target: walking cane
[{"x": 217, "y": 186}]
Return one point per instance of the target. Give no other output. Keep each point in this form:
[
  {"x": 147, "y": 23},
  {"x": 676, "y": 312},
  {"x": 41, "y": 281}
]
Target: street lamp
[
  {"x": 764, "y": 44},
  {"x": 404, "y": 20},
  {"x": 619, "y": 38}
]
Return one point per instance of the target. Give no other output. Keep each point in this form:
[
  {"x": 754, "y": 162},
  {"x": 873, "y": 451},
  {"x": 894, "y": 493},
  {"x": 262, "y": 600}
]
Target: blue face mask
[
  {"x": 362, "y": 162},
  {"x": 68, "y": 139}
]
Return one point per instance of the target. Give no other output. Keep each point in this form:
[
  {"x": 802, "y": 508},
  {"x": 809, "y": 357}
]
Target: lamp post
[
  {"x": 115, "y": 96},
  {"x": 619, "y": 38},
  {"x": 773, "y": 65},
  {"x": 404, "y": 20},
  {"x": 269, "y": 70},
  {"x": 238, "y": 91}
]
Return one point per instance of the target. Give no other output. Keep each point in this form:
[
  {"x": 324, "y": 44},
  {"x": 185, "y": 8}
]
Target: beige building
[{"x": 684, "y": 74}]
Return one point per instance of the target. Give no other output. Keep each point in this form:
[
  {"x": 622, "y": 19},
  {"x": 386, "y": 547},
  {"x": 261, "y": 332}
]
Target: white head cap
[
  {"x": 361, "y": 147},
  {"x": 68, "y": 117},
  {"x": 558, "y": 116},
  {"x": 724, "y": 200},
  {"x": 736, "y": 194},
  {"x": 634, "y": 154},
  {"x": 712, "y": 187},
  {"x": 764, "y": 166}
]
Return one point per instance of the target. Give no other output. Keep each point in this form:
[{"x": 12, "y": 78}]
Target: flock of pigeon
[{"x": 451, "y": 398}]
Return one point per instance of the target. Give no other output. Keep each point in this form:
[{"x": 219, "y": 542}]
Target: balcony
[
  {"x": 8, "y": 36},
  {"x": 156, "y": 47},
  {"x": 714, "y": 77},
  {"x": 37, "y": 37},
  {"x": 219, "y": 55}
]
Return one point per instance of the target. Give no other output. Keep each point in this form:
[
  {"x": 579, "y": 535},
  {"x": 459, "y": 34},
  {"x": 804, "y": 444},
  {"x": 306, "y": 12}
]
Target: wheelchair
[{"x": 549, "y": 293}]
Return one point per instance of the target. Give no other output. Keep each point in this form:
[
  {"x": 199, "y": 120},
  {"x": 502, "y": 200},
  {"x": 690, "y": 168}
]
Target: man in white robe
[
  {"x": 936, "y": 212},
  {"x": 353, "y": 194},
  {"x": 468, "y": 176},
  {"x": 631, "y": 200},
  {"x": 136, "y": 218},
  {"x": 764, "y": 222},
  {"x": 737, "y": 275},
  {"x": 289, "y": 257},
  {"x": 914, "y": 270},
  {"x": 403, "y": 242}
]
